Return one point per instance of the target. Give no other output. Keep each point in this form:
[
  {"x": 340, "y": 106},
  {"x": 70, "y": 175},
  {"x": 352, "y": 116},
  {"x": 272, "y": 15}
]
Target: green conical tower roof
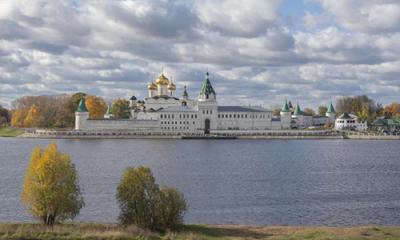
[
  {"x": 285, "y": 107},
  {"x": 298, "y": 111},
  {"x": 331, "y": 109},
  {"x": 207, "y": 88},
  {"x": 82, "y": 106}
]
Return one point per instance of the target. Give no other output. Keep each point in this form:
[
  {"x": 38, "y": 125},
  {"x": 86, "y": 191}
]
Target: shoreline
[
  {"x": 105, "y": 231},
  {"x": 273, "y": 136}
]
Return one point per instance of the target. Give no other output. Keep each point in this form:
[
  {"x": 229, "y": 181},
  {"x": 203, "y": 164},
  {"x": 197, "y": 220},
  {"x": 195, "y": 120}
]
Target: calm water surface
[{"x": 297, "y": 182}]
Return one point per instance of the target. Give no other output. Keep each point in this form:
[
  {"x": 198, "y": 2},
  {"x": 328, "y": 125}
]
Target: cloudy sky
[{"x": 258, "y": 52}]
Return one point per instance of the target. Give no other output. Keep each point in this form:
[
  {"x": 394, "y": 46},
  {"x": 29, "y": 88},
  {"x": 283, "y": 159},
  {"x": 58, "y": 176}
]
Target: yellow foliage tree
[
  {"x": 33, "y": 117},
  {"x": 50, "y": 190},
  {"x": 96, "y": 107},
  {"x": 18, "y": 118}
]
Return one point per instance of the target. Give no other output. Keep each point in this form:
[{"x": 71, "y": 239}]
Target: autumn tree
[
  {"x": 143, "y": 203},
  {"x": 96, "y": 107},
  {"x": 50, "y": 190},
  {"x": 33, "y": 117},
  {"x": 322, "y": 110},
  {"x": 309, "y": 111},
  {"x": 18, "y": 117},
  {"x": 120, "y": 108},
  {"x": 362, "y": 106},
  {"x": 392, "y": 110}
]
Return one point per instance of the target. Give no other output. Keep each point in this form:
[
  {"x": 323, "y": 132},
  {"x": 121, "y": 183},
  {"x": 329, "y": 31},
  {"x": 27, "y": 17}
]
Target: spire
[
  {"x": 331, "y": 109},
  {"x": 207, "y": 88},
  {"x": 298, "y": 111},
  {"x": 285, "y": 107},
  {"x": 82, "y": 106},
  {"x": 185, "y": 94}
]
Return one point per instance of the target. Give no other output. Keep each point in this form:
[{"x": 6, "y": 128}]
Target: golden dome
[
  {"x": 152, "y": 86},
  {"x": 171, "y": 86},
  {"x": 162, "y": 80}
]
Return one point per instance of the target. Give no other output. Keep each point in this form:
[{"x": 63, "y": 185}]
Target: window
[{"x": 210, "y": 111}]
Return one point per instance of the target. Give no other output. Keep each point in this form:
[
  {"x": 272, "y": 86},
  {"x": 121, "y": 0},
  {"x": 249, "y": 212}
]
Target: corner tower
[
  {"x": 286, "y": 116},
  {"x": 331, "y": 113},
  {"x": 81, "y": 115}
]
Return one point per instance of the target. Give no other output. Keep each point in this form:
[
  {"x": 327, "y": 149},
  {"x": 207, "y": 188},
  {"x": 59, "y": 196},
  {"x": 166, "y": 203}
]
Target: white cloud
[{"x": 113, "y": 48}]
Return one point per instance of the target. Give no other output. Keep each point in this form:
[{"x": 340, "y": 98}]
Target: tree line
[
  {"x": 51, "y": 193},
  {"x": 57, "y": 111}
]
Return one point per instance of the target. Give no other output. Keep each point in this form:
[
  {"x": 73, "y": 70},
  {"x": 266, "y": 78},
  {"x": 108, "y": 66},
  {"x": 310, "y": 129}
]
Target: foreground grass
[
  {"x": 194, "y": 232},
  {"x": 10, "y": 132}
]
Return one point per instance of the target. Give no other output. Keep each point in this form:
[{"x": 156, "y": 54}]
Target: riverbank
[
  {"x": 10, "y": 132},
  {"x": 206, "y": 232}
]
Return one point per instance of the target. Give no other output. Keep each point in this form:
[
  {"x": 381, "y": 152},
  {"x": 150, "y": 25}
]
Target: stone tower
[
  {"x": 286, "y": 116},
  {"x": 81, "y": 115}
]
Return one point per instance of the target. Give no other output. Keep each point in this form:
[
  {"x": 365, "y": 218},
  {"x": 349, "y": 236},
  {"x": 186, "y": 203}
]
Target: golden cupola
[
  {"x": 171, "y": 86},
  {"x": 162, "y": 80},
  {"x": 152, "y": 86}
]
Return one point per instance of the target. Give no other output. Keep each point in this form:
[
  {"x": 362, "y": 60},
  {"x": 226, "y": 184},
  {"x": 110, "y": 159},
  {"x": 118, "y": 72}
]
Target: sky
[{"x": 258, "y": 52}]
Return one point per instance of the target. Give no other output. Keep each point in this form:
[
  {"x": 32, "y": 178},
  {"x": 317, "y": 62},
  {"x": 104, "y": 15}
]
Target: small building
[
  {"x": 348, "y": 121},
  {"x": 386, "y": 125}
]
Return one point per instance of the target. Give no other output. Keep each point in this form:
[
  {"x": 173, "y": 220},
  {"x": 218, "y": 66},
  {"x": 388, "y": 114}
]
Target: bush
[
  {"x": 170, "y": 209},
  {"x": 50, "y": 190},
  {"x": 143, "y": 203}
]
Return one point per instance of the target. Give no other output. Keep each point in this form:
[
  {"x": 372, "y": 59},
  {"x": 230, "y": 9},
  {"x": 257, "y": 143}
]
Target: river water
[{"x": 293, "y": 182}]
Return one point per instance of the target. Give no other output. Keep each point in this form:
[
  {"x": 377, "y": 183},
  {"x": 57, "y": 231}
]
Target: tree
[
  {"x": 96, "y": 107},
  {"x": 392, "y": 110},
  {"x": 120, "y": 108},
  {"x": 18, "y": 118},
  {"x": 170, "y": 209},
  {"x": 137, "y": 195},
  {"x": 5, "y": 116},
  {"x": 33, "y": 117},
  {"x": 322, "y": 110},
  {"x": 50, "y": 190},
  {"x": 309, "y": 111},
  {"x": 143, "y": 203},
  {"x": 360, "y": 105}
]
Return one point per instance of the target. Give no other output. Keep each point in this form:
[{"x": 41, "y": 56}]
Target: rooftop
[{"x": 240, "y": 109}]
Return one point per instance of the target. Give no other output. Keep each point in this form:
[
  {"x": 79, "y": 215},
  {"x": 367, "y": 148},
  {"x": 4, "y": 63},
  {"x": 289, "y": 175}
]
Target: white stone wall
[
  {"x": 244, "y": 120},
  {"x": 188, "y": 121},
  {"x": 126, "y": 124}
]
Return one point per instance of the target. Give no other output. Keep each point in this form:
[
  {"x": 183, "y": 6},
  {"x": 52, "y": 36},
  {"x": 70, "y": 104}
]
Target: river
[{"x": 279, "y": 182}]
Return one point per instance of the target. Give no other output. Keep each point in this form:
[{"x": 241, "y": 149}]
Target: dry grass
[{"x": 195, "y": 232}]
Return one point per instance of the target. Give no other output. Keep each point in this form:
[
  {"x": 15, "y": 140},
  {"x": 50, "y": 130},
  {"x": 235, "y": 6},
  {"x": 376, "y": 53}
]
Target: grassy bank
[
  {"x": 111, "y": 231},
  {"x": 10, "y": 132}
]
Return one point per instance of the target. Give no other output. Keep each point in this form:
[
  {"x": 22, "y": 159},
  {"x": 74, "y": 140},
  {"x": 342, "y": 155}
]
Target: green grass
[
  {"x": 10, "y": 132},
  {"x": 194, "y": 232}
]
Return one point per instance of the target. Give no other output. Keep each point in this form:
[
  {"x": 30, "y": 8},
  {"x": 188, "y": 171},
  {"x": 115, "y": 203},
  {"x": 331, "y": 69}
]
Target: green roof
[
  {"x": 298, "y": 111},
  {"x": 331, "y": 109},
  {"x": 285, "y": 107},
  {"x": 206, "y": 88},
  {"x": 82, "y": 106},
  {"x": 345, "y": 116}
]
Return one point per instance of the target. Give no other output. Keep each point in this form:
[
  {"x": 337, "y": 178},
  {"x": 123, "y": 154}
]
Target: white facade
[{"x": 350, "y": 122}]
